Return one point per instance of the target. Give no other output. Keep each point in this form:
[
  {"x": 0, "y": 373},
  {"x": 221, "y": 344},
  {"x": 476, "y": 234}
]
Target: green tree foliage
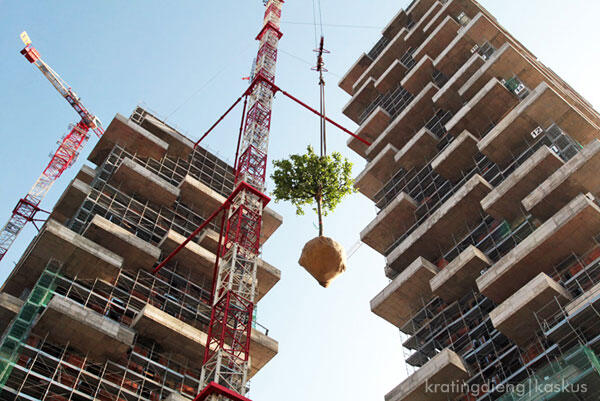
[{"x": 309, "y": 179}]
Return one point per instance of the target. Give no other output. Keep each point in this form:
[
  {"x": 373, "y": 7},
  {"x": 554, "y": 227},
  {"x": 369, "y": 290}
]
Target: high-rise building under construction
[
  {"x": 85, "y": 317},
  {"x": 484, "y": 168}
]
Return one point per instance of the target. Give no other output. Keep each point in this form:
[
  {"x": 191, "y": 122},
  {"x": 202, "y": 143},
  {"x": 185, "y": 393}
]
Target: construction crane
[
  {"x": 227, "y": 361},
  {"x": 66, "y": 154}
]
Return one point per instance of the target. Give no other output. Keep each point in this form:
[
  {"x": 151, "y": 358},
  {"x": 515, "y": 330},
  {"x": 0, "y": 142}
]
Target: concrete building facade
[
  {"x": 84, "y": 317},
  {"x": 483, "y": 166}
]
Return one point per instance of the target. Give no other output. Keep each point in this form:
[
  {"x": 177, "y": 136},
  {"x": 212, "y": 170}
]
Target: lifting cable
[{"x": 320, "y": 68}]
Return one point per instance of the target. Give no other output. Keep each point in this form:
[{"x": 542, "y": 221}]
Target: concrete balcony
[
  {"x": 438, "y": 40},
  {"x": 582, "y": 312},
  {"x": 68, "y": 322},
  {"x": 357, "y": 69},
  {"x": 9, "y": 307},
  {"x": 420, "y": 8},
  {"x": 179, "y": 145},
  {"x": 132, "y": 178},
  {"x": 444, "y": 368},
  {"x": 457, "y": 157},
  {"x": 420, "y": 75},
  {"x": 136, "y": 253},
  {"x": 418, "y": 33},
  {"x": 360, "y": 101},
  {"x": 204, "y": 200},
  {"x": 516, "y": 317},
  {"x": 369, "y": 130},
  {"x": 80, "y": 256},
  {"x": 199, "y": 196},
  {"x": 477, "y": 32},
  {"x": 570, "y": 231},
  {"x": 484, "y": 110},
  {"x": 407, "y": 123},
  {"x": 456, "y": 279},
  {"x": 70, "y": 200},
  {"x": 452, "y": 8},
  {"x": 392, "y": 51},
  {"x": 405, "y": 294},
  {"x": 391, "y": 77},
  {"x": 201, "y": 262},
  {"x": 86, "y": 174},
  {"x": 505, "y": 63},
  {"x": 209, "y": 239},
  {"x": 541, "y": 108},
  {"x": 390, "y": 223},
  {"x": 418, "y": 151},
  {"x": 129, "y": 135},
  {"x": 377, "y": 172},
  {"x": 448, "y": 97},
  {"x": 504, "y": 202},
  {"x": 440, "y": 228},
  {"x": 578, "y": 175},
  {"x": 183, "y": 339},
  {"x": 400, "y": 20}
]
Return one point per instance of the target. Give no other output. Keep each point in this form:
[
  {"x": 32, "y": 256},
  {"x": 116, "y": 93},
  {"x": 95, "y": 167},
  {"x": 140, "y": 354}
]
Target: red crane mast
[
  {"x": 227, "y": 353},
  {"x": 27, "y": 207}
]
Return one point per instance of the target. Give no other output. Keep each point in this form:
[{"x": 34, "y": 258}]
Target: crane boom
[{"x": 66, "y": 154}]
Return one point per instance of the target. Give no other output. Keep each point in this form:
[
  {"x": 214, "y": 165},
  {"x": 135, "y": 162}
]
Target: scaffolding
[
  {"x": 393, "y": 101},
  {"x": 20, "y": 327},
  {"x": 569, "y": 368},
  {"x": 46, "y": 371},
  {"x": 35, "y": 368},
  {"x": 430, "y": 190},
  {"x": 137, "y": 215},
  {"x": 200, "y": 164}
]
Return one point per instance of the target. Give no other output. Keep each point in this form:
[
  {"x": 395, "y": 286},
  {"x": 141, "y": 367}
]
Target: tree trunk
[{"x": 319, "y": 213}]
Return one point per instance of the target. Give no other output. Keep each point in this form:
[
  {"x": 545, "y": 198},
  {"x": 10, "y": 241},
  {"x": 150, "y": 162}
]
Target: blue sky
[{"x": 185, "y": 60}]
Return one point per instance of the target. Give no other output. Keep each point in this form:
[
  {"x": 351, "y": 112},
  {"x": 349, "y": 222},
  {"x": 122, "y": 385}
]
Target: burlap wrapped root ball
[{"x": 324, "y": 258}]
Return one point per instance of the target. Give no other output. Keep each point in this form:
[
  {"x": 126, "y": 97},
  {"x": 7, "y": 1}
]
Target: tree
[{"x": 311, "y": 179}]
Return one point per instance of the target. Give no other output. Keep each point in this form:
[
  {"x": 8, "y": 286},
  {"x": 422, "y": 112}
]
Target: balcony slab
[
  {"x": 395, "y": 48},
  {"x": 504, "y": 202},
  {"x": 80, "y": 256},
  {"x": 136, "y": 253},
  {"x": 405, "y": 294},
  {"x": 122, "y": 131},
  {"x": 543, "y": 107},
  {"x": 457, "y": 157},
  {"x": 68, "y": 322},
  {"x": 442, "y": 226},
  {"x": 478, "y": 31},
  {"x": 437, "y": 41},
  {"x": 70, "y": 201},
  {"x": 578, "y": 175},
  {"x": 377, "y": 172},
  {"x": 447, "y": 368},
  {"x": 357, "y": 69},
  {"x": 132, "y": 178},
  {"x": 390, "y": 223},
  {"x": 407, "y": 123},
  {"x": 419, "y": 76},
  {"x": 485, "y": 109},
  {"x": 570, "y": 231},
  {"x": 459, "y": 277},
  {"x": 181, "y": 338},
  {"x": 516, "y": 316},
  {"x": 448, "y": 97},
  {"x": 369, "y": 130},
  {"x": 418, "y": 151}
]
